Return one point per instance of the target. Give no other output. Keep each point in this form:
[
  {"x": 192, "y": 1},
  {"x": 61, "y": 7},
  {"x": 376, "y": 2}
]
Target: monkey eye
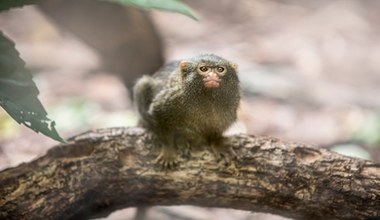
[
  {"x": 220, "y": 69},
  {"x": 203, "y": 68}
]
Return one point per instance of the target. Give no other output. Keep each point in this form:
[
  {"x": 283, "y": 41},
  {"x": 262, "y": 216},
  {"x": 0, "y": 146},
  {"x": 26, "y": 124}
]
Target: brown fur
[{"x": 180, "y": 110}]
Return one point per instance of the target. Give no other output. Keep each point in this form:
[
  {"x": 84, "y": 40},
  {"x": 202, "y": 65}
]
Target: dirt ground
[{"x": 310, "y": 72}]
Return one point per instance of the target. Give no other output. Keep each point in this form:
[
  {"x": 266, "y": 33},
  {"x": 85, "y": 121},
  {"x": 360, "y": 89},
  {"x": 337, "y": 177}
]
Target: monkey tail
[{"x": 143, "y": 93}]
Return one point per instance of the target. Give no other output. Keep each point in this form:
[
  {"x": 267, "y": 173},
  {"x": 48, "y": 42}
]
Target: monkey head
[{"x": 210, "y": 70}]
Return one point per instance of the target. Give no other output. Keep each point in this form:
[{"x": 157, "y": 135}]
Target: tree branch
[{"x": 109, "y": 169}]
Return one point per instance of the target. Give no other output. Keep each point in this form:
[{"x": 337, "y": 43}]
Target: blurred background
[{"x": 310, "y": 71}]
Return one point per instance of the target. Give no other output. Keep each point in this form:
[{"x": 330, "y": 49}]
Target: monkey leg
[
  {"x": 221, "y": 149},
  {"x": 167, "y": 157}
]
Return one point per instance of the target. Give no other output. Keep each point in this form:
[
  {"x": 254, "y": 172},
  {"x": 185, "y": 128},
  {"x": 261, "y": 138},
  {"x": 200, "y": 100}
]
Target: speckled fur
[{"x": 180, "y": 110}]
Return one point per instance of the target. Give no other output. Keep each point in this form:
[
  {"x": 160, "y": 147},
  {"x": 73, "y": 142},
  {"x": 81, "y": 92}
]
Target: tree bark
[{"x": 108, "y": 169}]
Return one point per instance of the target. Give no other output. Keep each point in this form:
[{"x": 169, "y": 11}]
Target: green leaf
[
  {"x": 18, "y": 92},
  {"x": 166, "y": 5},
  {"x": 8, "y": 4}
]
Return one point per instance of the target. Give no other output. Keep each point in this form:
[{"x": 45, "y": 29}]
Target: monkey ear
[
  {"x": 234, "y": 66},
  {"x": 184, "y": 64}
]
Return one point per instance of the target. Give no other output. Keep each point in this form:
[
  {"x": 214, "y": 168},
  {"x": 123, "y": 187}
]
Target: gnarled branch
[{"x": 109, "y": 169}]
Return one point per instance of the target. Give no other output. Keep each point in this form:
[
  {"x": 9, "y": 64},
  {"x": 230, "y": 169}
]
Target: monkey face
[
  {"x": 209, "y": 70},
  {"x": 211, "y": 74}
]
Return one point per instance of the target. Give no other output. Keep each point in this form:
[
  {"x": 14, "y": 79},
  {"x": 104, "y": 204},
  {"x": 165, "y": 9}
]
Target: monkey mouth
[{"x": 211, "y": 82}]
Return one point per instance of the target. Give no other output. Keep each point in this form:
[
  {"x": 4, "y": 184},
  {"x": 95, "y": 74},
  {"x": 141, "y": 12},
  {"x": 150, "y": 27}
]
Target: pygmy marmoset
[{"x": 189, "y": 102}]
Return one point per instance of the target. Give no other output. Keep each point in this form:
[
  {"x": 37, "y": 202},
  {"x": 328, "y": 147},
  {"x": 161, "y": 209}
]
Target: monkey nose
[
  {"x": 211, "y": 80},
  {"x": 212, "y": 75}
]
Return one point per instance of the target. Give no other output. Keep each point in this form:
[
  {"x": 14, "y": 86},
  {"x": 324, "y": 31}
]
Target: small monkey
[{"x": 189, "y": 102}]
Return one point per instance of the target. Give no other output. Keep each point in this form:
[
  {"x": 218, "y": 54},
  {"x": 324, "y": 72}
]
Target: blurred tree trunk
[
  {"x": 105, "y": 170},
  {"x": 124, "y": 37}
]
